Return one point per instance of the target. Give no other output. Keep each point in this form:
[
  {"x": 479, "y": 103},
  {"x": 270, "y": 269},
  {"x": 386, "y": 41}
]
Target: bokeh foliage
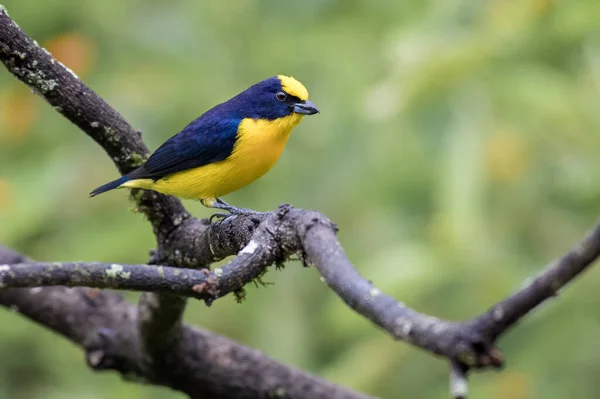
[{"x": 457, "y": 150}]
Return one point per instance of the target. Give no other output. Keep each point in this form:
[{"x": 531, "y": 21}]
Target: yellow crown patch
[{"x": 292, "y": 87}]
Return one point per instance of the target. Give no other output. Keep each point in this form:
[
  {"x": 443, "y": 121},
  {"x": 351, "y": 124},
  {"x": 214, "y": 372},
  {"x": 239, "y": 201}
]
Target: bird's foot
[
  {"x": 234, "y": 210},
  {"x": 218, "y": 203}
]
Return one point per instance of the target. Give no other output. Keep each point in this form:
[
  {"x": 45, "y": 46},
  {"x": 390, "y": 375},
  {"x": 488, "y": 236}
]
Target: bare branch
[
  {"x": 201, "y": 364},
  {"x": 186, "y": 282},
  {"x": 282, "y": 234},
  {"x": 456, "y": 341}
]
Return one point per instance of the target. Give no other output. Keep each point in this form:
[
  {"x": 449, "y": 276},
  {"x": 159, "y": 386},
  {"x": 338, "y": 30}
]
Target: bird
[{"x": 226, "y": 148}]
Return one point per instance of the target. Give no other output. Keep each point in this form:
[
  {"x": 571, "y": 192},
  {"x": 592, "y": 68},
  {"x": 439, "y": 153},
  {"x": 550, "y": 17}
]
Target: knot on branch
[
  {"x": 102, "y": 352},
  {"x": 471, "y": 349}
]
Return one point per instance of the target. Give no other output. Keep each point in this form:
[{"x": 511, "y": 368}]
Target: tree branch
[
  {"x": 312, "y": 236},
  {"x": 500, "y": 317},
  {"x": 185, "y": 282},
  {"x": 201, "y": 364}
]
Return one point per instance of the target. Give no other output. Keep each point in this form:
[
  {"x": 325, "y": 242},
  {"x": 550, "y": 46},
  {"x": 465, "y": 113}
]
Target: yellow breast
[{"x": 258, "y": 147}]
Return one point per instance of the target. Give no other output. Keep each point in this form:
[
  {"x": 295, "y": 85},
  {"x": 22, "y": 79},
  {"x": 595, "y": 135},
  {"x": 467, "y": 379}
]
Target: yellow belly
[{"x": 258, "y": 147}]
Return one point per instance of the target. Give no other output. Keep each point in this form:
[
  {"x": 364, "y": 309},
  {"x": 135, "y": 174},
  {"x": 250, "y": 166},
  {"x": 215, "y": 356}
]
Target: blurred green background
[{"x": 457, "y": 150}]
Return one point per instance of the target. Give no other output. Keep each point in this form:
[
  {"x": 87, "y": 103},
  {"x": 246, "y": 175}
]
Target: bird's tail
[{"x": 110, "y": 186}]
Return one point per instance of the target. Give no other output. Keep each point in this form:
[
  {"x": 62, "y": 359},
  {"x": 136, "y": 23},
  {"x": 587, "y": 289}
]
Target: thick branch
[{"x": 202, "y": 364}]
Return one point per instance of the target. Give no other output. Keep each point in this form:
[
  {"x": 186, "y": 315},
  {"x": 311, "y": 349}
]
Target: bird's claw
[{"x": 218, "y": 215}]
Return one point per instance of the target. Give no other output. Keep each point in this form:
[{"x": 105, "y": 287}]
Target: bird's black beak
[{"x": 306, "y": 108}]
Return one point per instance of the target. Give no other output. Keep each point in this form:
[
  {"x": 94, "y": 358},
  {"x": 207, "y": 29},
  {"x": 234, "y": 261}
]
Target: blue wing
[{"x": 207, "y": 139}]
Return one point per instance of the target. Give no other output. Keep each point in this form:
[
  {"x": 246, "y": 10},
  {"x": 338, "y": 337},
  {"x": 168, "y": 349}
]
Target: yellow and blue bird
[{"x": 226, "y": 148}]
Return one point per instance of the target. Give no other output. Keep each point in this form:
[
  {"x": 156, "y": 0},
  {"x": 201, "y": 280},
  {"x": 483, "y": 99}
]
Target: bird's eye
[{"x": 281, "y": 96}]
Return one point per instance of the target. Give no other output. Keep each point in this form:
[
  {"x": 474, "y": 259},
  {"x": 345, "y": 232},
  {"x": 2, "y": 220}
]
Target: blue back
[{"x": 211, "y": 137}]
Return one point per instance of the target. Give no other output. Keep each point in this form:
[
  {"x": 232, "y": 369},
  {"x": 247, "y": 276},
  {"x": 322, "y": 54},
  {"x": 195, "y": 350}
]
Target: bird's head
[{"x": 276, "y": 97}]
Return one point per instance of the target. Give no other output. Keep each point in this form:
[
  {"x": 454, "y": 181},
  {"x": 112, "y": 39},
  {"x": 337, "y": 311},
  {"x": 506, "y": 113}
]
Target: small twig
[
  {"x": 500, "y": 317},
  {"x": 459, "y": 387}
]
